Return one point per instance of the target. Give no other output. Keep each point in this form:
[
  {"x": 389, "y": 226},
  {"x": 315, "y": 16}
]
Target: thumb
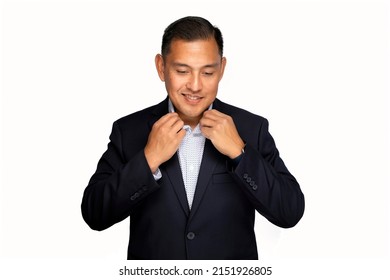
[{"x": 181, "y": 134}]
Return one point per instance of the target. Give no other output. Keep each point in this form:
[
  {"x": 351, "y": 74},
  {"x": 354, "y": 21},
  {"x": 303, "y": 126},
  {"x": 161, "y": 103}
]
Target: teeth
[{"x": 192, "y": 97}]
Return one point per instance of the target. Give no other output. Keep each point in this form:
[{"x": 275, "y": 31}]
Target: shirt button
[{"x": 190, "y": 235}]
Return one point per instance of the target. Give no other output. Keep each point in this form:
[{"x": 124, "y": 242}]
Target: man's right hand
[{"x": 164, "y": 140}]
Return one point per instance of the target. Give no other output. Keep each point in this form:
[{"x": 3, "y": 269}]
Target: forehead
[{"x": 194, "y": 52}]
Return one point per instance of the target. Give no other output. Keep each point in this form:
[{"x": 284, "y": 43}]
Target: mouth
[{"x": 192, "y": 98}]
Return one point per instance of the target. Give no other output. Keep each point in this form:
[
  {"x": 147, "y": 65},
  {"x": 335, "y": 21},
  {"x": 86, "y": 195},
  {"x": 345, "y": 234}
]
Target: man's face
[{"x": 191, "y": 71}]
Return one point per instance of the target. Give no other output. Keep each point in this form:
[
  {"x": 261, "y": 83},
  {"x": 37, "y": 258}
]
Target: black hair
[{"x": 190, "y": 29}]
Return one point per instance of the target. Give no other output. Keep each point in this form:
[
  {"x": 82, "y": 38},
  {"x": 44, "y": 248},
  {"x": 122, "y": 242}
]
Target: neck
[{"x": 192, "y": 122}]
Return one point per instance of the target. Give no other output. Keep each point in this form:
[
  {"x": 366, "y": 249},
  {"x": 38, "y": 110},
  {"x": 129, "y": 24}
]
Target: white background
[{"x": 317, "y": 70}]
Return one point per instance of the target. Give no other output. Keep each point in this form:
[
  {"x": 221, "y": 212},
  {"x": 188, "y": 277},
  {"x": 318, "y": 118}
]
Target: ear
[
  {"x": 159, "y": 61},
  {"x": 223, "y": 64}
]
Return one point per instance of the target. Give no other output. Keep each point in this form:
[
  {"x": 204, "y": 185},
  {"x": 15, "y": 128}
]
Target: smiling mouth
[{"x": 192, "y": 97}]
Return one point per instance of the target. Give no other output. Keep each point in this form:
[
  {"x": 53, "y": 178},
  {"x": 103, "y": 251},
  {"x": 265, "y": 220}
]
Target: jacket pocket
[{"x": 222, "y": 178}]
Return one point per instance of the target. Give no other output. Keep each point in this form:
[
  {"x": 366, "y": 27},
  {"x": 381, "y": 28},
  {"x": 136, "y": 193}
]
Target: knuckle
[{"x": 156, "y": 125}]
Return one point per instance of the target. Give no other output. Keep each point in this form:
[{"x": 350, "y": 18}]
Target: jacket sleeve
[
  {"x": 117, "y": 186},
  {"x": 267, "y": 183}
]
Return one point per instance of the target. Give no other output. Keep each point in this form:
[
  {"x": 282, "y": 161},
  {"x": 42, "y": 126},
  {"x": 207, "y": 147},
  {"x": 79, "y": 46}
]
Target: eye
[
  {"x": 181, "y": 71},
  {"x": 208, "y": 73}
]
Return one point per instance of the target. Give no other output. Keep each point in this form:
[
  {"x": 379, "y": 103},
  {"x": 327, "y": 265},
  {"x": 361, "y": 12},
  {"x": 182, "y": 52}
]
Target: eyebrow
[{"x": 178, "y": 64}]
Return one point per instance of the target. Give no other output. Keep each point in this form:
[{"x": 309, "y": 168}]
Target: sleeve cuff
[
  {"x": 236, "y": 161},
  {"x": 157, "y": 175}
]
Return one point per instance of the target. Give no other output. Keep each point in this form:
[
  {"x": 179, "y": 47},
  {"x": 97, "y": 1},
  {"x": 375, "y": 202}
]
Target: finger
[
  {"x": 177, "y": 125},
  {"x": 207, "y": 122},
  {"x": 208, "y": 119},
  {"x": 175, "y": 122},
  {"x": 168, "y": 119},
  {"x": 213, "y": 114},
  {"x": 206, "y": 131},
  {"x": 181, "y": 134},
  {"x": 164, "y": 119},
  {"x": 178, "y": 137},
  {"x": 170, "y": 122},
  {"x": 171, "y": 119},
  {"x": 208, "y": 115}
]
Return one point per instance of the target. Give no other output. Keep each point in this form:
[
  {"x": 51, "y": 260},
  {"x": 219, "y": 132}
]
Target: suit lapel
[
  {"x": 160, "y": 110},
  {"x": 172, "y": 168}
]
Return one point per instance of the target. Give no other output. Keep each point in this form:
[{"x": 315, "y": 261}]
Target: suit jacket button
[
  {"x": 254, "y": 187},
  {"x": 252, "y": 183},
  {"x": 245, "y": 175},
  {"x": 249, "y": 179},
  {"x": 190, "y": 235}
]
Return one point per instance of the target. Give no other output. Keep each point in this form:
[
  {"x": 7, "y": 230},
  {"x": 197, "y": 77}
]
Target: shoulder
[
  {"x": 144, "y": 115},
  {"x": 238, "y": 114}
]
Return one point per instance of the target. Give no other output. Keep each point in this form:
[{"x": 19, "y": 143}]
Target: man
[{"x": 191, "y": 171}]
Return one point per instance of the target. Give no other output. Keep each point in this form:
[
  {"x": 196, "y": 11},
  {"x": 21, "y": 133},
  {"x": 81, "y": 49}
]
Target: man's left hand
[{"x": 221, "y": 131}]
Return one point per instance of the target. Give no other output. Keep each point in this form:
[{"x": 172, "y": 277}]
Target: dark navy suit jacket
[{"x": 220, "y": 224}]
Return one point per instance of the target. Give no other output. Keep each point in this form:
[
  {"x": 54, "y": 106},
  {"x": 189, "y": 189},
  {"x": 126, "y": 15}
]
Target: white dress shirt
[{"x": 190, "y": 156}]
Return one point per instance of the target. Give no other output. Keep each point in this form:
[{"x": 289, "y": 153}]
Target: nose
[{"x": 194, "y": 83}]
